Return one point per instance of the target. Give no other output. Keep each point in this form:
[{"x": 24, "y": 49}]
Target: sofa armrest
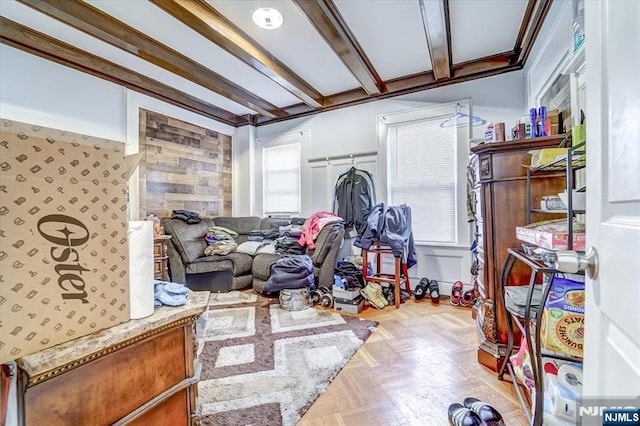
[
  {"x": 176, "y": 266},
  {"x": 325, "y": 256}
]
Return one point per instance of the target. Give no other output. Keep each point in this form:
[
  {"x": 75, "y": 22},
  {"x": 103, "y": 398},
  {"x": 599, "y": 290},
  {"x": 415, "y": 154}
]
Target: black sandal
[
  {"x": 463, "y": 416},
  {"x": 489, "y": 415}
]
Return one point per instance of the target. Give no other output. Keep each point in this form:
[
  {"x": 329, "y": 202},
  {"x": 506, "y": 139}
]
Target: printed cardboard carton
[
  {"x": 63, "y": 237},
  {"x": 562, "y": 324}
]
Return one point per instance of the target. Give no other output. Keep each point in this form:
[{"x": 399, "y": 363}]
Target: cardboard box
[
  {"x": 562, "y": 323},
  {"x": 546, "y": 155},
  {"x": 350, "y": 306},
  {"x": 349, "y": 294},
  {"x": 552, "y": 235},
  {"x": 63, "y": 237}
]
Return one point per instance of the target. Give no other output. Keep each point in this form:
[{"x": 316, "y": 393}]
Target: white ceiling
[{"x": 391, "y": 33}]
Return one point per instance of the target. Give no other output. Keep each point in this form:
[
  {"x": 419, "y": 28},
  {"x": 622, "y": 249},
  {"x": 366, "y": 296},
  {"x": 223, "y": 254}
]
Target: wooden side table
[{"x": 161, "y": 258}]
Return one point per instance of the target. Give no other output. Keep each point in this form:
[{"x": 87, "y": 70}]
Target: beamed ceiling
[{"x": 209, "y": 57}]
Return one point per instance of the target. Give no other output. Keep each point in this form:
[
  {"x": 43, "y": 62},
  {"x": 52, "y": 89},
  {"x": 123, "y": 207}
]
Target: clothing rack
[{"x": 342, "y": 157}]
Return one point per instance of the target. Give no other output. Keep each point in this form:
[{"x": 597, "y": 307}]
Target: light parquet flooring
[{"x": 421, "y": 359}]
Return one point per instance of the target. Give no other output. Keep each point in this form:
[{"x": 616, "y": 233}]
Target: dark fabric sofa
[{"x": 188, "y": 265}]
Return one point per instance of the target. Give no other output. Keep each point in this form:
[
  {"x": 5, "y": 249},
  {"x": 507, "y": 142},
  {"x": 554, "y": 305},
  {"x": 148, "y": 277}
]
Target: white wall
[
  {"x": 354, "y": 130},
  {"x": 552, "y": 49},
  {"x": 42, "y": 92},
  {"x": 35, "y": 90}
]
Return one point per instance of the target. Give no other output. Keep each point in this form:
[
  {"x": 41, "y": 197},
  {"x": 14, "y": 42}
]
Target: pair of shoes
[
  {"x": 456, "y": 293},
  {"x": 372, "y": 292},
  {"x": 474, "y": 412}
]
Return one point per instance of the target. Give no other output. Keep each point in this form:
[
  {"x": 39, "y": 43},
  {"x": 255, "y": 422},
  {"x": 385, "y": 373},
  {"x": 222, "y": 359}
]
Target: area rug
[{"x": 262, "y": 365}]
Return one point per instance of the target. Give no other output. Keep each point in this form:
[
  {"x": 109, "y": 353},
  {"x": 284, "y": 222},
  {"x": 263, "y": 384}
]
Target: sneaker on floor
[
  {"x": 421, "y": 289},
  {"x": 463, "y": 416},
  {"x": 372, "y": 292},
  {"x": 489, "y": 415},
  {"x": 434, "y": 291}
]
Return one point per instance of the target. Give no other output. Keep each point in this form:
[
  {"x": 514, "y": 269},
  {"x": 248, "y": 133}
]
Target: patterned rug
[{"x": 262, "y": 365}]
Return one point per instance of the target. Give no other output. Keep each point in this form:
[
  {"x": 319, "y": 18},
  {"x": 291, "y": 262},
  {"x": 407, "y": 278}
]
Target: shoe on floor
[
  {"x": 463, "y": 416},
  {"x": 456, "y": 293},
  {"x": 421, "y": 289},
  {"x": 489, "y": 415},
  {"x": 372, "y": 292},
  {"x": 434, "y": 291}
]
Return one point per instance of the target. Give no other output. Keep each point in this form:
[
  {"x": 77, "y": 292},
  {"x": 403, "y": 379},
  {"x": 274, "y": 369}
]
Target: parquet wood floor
[{"x": 421, "y": 359}]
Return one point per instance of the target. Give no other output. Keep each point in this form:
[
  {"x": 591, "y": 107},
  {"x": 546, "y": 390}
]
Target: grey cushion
[
  {"x": 259, "y": 285},
  {"x": 209, "y": 264},
  {"x": 241, "y": 281},
  {"x": 262, "y": 263},
  {"x": 269, "y": 222},
  {"x": 188, "y": 239},
  {"x": 242, "y": 225},
  {"x": 241, "y": 262}
]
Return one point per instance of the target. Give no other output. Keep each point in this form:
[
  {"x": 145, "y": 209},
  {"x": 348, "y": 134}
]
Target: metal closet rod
[{"x": 342, "y": 157}]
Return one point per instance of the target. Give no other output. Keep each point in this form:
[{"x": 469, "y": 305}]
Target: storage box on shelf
[
  {"x": 526, "y": 316},
  {"x": 559, "y": 164}
]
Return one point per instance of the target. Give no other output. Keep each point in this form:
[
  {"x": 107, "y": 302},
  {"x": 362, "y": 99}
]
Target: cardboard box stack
[{"x": 63, "y": 237}]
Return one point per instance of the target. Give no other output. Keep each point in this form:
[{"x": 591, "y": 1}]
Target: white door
[{"x": 612, "y": 312}]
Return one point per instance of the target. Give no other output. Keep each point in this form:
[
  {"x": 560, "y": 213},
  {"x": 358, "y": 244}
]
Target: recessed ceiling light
[{"x": 267, "y": 18}]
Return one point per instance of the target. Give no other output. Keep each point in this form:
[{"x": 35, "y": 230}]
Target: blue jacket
[{"x": 389, "y": 226}]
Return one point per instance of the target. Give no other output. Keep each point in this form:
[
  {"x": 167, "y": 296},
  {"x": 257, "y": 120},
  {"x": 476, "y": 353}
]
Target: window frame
[
  {"x": 302, "y": 137},
  {"x": 265, "y": 149},
  {"x": 437, "y": 111}
]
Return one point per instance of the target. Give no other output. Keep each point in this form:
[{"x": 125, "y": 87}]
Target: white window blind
[
  {"x": 422, "y": 167},
  {"x": 282, "y": 179}
]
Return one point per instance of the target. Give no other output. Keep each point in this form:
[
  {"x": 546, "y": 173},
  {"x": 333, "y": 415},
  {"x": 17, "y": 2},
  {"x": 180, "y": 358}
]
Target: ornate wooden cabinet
[
  {"x": 500, "y": 190},
  {"x": 140, "y": 372},
  {"x": 161, "y": 258}
]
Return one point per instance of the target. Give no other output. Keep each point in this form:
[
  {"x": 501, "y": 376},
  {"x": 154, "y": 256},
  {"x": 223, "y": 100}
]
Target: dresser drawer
[{"x": 160, "y": 249}]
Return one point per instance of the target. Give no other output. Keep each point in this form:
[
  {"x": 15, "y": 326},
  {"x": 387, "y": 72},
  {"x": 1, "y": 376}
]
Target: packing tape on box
[
  {"x": 562, "y": 402},
  {"x": 141, "y": 268}
]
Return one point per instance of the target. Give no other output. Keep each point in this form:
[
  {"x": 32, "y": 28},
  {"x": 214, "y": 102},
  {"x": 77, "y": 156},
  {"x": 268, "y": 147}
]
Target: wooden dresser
[
  {"x": 161, "y": 258},
  {"x": 140, "y": 372},
  {"x": 499, "y": 183}
]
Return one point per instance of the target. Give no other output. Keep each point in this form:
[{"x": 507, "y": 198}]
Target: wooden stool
[{"x": 400, "y": 270}]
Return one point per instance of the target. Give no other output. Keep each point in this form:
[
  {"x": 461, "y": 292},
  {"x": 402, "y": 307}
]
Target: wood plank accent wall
[{"x": 185, "y": 167}]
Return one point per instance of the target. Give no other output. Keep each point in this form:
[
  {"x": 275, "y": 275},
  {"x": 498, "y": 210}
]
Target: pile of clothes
[
  {"x": 186, "y": 215},
  {"x": 314, "y": 224},
  {"x": 283, "y": 239},
  {"x": 220, "y": 240}
]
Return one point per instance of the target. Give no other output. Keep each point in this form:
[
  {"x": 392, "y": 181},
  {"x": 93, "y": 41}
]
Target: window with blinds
[
  {"x": 281, "y": 169},
  {"x": 422, "y": 174}
]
